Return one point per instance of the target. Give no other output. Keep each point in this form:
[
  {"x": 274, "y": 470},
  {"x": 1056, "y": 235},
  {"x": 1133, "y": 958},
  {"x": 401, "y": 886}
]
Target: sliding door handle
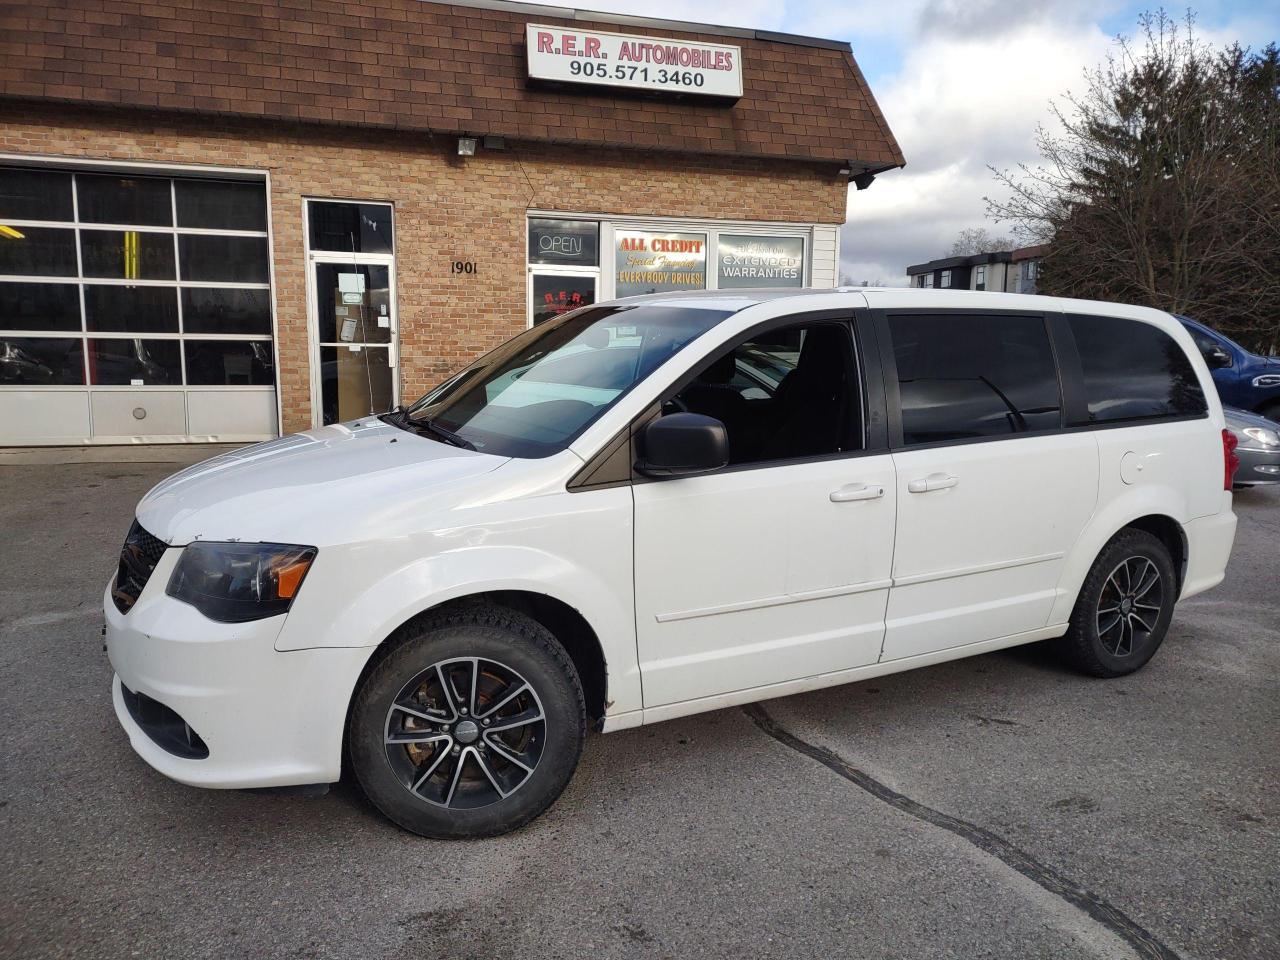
[
  {"x": 857, "y": 491},
  {"x": 934, "y": 481}
]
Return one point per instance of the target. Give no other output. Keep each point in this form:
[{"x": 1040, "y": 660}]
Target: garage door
[{"x": 134, "y": 308}]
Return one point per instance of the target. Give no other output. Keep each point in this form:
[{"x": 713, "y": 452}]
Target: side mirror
[
  {"x": 1217, "y": 358},
  {"x": 683, "y": 444}
]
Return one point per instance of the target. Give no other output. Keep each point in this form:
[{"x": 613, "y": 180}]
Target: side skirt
[{"x": 670, "y": 711}]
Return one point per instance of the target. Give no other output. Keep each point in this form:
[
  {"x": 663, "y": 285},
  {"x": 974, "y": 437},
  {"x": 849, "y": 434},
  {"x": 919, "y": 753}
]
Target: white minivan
[{"x": 656, "y": 506}]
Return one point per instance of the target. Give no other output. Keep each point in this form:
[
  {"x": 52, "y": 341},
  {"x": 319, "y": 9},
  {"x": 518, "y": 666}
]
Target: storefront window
[
  {"x": 648, "y": 262},
  {"x": 564, "y": 243},
  {"x": 756, "y": 261}
]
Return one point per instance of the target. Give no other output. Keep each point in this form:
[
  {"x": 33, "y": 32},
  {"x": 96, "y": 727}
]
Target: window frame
[
  {"x": 1068, "y": 394},
  {"x": 613, "y": 465}
]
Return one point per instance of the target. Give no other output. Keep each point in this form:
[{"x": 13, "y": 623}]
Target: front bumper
[{"x": 269, "y": 719}]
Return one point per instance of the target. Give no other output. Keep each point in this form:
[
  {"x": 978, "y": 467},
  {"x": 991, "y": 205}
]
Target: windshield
[{"x": 534, "y": 394}]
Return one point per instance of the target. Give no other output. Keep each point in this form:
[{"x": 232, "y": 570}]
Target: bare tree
[
  {"x": 1160, "y": 185},
  {"x": 978, "y": 240}
]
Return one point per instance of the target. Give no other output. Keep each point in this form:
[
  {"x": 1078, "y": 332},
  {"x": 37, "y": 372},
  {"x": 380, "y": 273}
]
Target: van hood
[{"x": 312, "y": 488}]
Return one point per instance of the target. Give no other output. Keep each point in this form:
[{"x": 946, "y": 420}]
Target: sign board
[
  {"x": 570, "y": 55},
  {"x": 755, "y": 261},
  {"x": 655, "y": 262},
  {"x": 566, "y": 242}
]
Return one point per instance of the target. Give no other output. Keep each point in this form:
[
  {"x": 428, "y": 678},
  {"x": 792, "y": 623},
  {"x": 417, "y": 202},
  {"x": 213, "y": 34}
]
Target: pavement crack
[{"x": 1144, "y": 943}]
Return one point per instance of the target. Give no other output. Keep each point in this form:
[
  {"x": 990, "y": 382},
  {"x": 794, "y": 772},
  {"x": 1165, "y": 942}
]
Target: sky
[{"x": 963, "y": 85}]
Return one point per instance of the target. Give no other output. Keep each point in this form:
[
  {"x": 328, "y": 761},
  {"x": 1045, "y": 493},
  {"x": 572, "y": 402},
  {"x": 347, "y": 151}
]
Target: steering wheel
[{"x": 674, "y": 405}]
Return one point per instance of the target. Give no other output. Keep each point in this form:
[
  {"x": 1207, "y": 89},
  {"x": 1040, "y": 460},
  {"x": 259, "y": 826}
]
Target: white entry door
[{"x": 776, "y": 568}]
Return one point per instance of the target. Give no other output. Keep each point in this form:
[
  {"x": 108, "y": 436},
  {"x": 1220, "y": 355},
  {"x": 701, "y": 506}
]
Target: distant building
[{"x": 1004, "y": 271}]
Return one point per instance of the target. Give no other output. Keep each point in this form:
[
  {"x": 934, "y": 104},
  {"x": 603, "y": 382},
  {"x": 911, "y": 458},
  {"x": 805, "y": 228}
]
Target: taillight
[{"x": 1230, "y": 462}]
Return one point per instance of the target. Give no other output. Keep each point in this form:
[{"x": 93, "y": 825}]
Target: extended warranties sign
[{"x": 641, "y": 63}]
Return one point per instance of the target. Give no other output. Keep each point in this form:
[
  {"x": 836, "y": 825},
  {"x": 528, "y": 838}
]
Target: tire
[
  {"x": 1271, "y": 411},
  {"x": 1109, "y": 637},
  {"x": 480, "y": 757}
]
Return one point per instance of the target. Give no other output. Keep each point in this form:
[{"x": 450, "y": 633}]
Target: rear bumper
[
  {"x": 267, "y": 719},
  {"x": 1209, "y": 542}
]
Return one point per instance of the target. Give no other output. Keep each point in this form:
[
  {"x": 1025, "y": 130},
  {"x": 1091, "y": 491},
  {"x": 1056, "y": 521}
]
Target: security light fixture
[
  {"x": 864, "y": 180},
  {"x": 466, "y": 146}
]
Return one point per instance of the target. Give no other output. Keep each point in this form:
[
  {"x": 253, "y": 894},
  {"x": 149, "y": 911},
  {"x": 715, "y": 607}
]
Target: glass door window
[
  {"x": 555, "y": 293},
  {"x": 353, "y": 319}
]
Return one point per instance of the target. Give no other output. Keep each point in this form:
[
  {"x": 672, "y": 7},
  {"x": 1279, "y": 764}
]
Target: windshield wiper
[{"x": 399, "y": 417}]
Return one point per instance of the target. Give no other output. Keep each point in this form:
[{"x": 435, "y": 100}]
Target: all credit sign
[{"x": 642, "y": 63}]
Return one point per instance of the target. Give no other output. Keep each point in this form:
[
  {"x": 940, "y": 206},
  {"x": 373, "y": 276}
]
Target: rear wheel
[
  {"x": 470, "y": 726},
  {"x": 1124, "y": 608}
]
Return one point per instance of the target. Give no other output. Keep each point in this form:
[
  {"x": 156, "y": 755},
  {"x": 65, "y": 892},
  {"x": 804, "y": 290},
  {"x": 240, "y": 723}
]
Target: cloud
[{"x": 961, "y": 101}]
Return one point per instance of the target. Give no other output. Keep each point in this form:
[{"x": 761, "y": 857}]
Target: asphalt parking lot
[{"x": 993, "y": 807}]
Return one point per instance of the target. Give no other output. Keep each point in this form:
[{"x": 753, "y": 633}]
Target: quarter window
[
  {"x": 964, "y": 376},
  {"x": 1134, "y": 371}
]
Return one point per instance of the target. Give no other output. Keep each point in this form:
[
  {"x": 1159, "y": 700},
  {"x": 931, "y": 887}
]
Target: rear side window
[
  {"x": 962, "y": 376},
  {"x": 1134, "y": 371}
]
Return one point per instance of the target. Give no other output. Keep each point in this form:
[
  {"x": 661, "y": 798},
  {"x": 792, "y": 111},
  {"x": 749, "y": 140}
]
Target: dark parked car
[
  {"x": 1258, "y": 447},
  {"x": 1244, "y": 380}
]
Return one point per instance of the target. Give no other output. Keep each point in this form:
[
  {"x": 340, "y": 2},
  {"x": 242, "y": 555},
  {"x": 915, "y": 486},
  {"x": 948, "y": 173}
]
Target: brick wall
[{"x": 446, "y": 209}]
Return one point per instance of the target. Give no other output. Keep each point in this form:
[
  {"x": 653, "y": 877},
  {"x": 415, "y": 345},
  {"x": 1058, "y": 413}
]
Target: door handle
[
  {"x": 934, "y": 481},
  {"x": 857, "y": 491}
]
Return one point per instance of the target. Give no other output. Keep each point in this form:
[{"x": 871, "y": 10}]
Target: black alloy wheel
[{"x": 1124, "y": 607}]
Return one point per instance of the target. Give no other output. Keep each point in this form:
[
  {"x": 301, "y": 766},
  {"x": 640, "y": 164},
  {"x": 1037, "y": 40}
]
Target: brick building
[{"x": 229, "y": 220}]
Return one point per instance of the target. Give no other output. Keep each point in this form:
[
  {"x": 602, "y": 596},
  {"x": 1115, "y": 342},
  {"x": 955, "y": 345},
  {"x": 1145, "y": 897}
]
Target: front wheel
[
  {"x": 470, "y": 726},
  {"x": 1123, "y": 611}
]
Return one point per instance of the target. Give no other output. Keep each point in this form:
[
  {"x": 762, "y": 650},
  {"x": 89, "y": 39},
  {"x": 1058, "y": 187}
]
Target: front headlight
[
  {"x": 1264, "y": 435},
  {"x": 239, "y": 582}
]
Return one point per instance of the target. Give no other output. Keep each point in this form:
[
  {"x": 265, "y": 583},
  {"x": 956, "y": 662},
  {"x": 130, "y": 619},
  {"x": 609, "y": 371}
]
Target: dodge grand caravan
[{"x": 656, "y": 506}]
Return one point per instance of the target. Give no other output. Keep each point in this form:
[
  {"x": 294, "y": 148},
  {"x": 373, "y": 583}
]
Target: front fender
[{"x": 373, "y": 614}]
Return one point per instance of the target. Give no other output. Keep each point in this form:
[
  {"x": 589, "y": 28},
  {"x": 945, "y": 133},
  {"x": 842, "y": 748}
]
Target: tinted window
[
  {"x": 136, "y": 362},
  {"x": 1133, "y": 370},
  {"x": 224, "y": 259},
  {"x": 103, "y": 198},
  {"x": 221, "y": 204},
  {"x": 39, "y": 306},
  {"x": 35, "y": 194},
  {"x": 38, "y": 252},
  {"x": 127, "y": 254},
  {"x": 229, "y": 363},
  {"x": 32, "y": 360},
  {"x": 792, "y": 392},
  {"x": 218, "y": 310},
  {"x": 962, "y": 376},
  {"x": 126, "y": 309}
]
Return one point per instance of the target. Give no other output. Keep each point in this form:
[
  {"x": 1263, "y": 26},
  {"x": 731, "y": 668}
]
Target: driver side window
[{"x": 787, "y": 393}]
